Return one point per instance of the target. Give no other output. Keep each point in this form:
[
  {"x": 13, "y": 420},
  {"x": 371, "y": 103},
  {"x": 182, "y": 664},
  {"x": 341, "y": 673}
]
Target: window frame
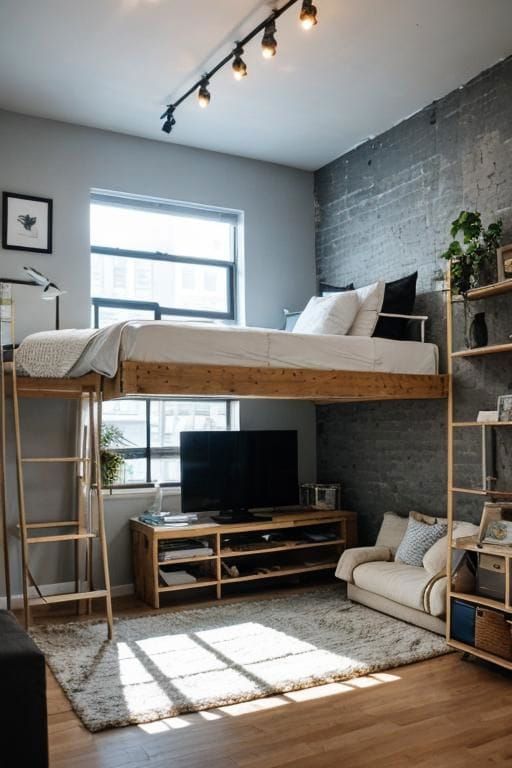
[{"x": 230, "y": 315}]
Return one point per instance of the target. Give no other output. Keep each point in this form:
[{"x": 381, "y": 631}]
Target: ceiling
[{"x": 368, "y": 64}]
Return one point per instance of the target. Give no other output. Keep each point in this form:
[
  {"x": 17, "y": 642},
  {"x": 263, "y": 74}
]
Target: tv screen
[{"x": 224, "y": 471}]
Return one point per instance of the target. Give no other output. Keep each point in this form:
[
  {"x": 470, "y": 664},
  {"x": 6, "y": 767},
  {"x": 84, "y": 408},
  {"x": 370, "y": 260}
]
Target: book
[{"x": 171, "y": 578}]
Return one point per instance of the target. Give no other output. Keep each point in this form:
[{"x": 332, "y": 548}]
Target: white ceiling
[{"x": 368, "y": 64}]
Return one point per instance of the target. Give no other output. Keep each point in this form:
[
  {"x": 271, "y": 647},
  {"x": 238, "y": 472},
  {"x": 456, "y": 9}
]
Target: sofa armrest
[{"x": 351, "y": 558}]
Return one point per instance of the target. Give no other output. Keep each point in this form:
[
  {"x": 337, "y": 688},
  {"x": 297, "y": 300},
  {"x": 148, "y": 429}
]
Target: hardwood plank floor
[{"x": 441, "y": 712}]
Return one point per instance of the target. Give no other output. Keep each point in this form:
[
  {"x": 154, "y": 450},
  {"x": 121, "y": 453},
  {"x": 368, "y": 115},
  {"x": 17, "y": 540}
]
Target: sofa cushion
[
  {"x": 419, "y": 537},
  {"x": 355, "y": 556},
  {"x": 434, "y": 559},
  {"x": 405, "y": 584},
  {"x": 391, "y": 531}
]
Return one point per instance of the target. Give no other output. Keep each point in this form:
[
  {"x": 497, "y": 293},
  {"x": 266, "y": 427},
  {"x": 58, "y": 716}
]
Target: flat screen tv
[{"x": 233, "y": 472}]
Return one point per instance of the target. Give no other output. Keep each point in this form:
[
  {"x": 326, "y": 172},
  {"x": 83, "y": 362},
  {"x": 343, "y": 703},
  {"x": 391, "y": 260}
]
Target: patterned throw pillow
[{"x": 419, "y": 537}]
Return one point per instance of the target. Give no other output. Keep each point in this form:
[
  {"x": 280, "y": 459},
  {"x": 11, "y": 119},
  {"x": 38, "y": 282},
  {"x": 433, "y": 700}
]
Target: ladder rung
[
  {"x": 68, "y": 597},
  {"x": 56, "y": 524},
  {"x": 63, "y": 537},
  {"x": 54, "y": 460}
]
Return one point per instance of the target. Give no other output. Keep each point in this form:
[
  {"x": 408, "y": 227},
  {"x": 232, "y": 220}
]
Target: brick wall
[{"x": 383, "y": 211}]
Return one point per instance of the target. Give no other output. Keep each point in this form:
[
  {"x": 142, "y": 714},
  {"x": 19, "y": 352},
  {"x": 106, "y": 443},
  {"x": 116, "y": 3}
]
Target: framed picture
[
  {"x": 505, "y": 408},
  {"x": 27, "y": 223},
  {"x": 496, "y": 524},
  {"x": 504, "y": 263}
]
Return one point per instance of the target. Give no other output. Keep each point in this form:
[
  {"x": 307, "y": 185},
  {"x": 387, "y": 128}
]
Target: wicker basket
[{"x": 492, "y": 633}]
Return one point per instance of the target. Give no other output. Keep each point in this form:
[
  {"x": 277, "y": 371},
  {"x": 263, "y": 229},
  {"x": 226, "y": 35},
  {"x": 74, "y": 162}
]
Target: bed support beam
[{"x": 193, "y": 380}]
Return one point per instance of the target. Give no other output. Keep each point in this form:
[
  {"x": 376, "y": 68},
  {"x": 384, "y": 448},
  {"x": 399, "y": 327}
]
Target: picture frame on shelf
[
  {"x": 505, "y": 408},
  {"x": 504, "y": 256},
  {"x": 27, "y": 223},
  {"x": 496, "y": 524}
]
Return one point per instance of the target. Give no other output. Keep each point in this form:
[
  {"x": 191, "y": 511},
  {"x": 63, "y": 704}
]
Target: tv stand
[{"x": 288, "y": 552}]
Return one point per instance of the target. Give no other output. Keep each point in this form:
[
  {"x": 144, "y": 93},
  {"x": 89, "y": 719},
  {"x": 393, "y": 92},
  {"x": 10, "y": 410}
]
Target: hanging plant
[
  {"x": 111, "y": 462},
  {"x": 473, "y": 252}
]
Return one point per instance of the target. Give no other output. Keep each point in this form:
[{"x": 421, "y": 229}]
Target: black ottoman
[{"x": 24, "y": 723}]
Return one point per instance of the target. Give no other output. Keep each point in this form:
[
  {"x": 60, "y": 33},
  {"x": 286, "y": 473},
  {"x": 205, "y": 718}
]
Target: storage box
[
  {"x": 490, "y": 580},
  {"x": 320, "y": 495},
  {"x": 492, "y": 632},
  {"x": 463, "y": 622}
]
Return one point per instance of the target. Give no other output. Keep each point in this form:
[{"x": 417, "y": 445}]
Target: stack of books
[
  {"x": 172, "y": 549},
  {"x": 179, "y": 520}
]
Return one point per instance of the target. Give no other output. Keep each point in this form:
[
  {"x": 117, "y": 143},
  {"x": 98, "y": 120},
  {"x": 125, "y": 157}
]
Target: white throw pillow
[
  {"x": 332, "y": 314},
  {"x": 370, "y": 304},
  {"x": 434, "y": 559},
  {"x": 392, "y": 531}
]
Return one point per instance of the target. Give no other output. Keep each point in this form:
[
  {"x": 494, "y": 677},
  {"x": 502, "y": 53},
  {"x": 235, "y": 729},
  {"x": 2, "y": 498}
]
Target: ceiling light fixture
[
  {"x": 308, "y": 18},
  {"x": 239, "y": 65},
  {"x": 269, "y": 42},
  {"x": 308, "y": 14},
  {"x": 203, "y": 94}
]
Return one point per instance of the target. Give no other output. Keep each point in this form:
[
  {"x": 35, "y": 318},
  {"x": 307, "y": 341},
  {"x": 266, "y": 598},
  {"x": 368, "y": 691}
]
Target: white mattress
[{"x": 164, "y": 342}]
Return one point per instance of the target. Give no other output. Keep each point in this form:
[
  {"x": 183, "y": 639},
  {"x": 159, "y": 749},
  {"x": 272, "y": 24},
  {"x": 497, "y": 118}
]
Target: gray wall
[
  {"x": 383, "y": 211},
  {"x": 64, "y": 162}
]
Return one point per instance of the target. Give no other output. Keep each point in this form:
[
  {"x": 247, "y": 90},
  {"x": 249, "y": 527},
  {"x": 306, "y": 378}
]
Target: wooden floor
[{"x": 442, "y": 712}]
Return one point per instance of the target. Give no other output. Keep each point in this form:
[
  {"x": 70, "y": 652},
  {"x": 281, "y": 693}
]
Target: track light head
[
  {"x": 308, "y": 14},
  {"x": 239, "y": 65},
  {"x": 170, "y": 121},
  {"x": 269, "y": 42},
  {"x": 203, "y": 94}
]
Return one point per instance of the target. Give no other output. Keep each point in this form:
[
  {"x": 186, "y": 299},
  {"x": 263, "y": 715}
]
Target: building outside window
[{"x": 158, "y": 261}]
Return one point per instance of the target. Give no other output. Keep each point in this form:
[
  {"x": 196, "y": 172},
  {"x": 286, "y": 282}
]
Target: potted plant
[
  {"x": 471, "y": 253},
  {"x": 111, "y": 462}
]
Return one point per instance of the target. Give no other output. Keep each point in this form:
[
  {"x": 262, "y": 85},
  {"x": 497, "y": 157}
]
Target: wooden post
[{"x": 449, "y": 510}]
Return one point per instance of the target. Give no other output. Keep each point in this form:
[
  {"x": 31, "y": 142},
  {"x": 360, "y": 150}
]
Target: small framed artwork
[
  {"x": 505, "y": 408},
  {"x": 27, "y": 223},
  {"x": 496, "y": 524},
  {"x": 504, "y": 263}
]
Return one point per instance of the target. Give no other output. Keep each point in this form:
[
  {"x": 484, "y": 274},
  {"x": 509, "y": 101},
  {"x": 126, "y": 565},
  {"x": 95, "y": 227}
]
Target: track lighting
[
  {"x": 308, "y": 19},
  {"x": 308, "y": 14},
  {"x": 269, "y": 42},
  {"x": 203, "y": 95},
  {"x": 239, "y": 65},
  {"x": 170, "y": 121}
]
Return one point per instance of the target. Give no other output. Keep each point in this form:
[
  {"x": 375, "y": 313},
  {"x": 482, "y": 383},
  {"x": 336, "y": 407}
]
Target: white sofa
[{"x": 410, "y": 593}]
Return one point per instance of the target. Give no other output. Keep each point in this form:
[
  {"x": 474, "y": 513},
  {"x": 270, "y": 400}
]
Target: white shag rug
[{"x": 172, "y": 662}]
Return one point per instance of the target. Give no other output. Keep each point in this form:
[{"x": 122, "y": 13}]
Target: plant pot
[{"x": 478, "y": 336}]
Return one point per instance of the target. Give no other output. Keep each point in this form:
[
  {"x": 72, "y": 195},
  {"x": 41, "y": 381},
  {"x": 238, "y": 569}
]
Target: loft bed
[{"x": 166, "y": 359}]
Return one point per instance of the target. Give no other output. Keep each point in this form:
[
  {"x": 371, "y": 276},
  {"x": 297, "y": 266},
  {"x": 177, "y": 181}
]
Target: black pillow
[
  {"x": 399, "y": 298},
  {"x": 324, "y": 288}
]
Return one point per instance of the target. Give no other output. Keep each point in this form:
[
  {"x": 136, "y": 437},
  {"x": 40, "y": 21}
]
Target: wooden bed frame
[{"x": 182, "y": 379}]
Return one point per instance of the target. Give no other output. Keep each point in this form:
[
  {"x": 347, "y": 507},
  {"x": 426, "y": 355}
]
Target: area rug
[{"x": 172, "y": 662}]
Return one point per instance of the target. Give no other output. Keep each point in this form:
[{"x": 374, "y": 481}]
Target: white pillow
[
  {"x": 434, "y": 559},
  {"x": 392, "y": 531},
  {"x": 370, "y": 304},
  {"x": 332, "y": 314}
]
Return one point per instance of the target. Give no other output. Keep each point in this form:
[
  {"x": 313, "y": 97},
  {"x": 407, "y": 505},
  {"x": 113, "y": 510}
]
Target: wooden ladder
[{"x": 88, "y": 523}]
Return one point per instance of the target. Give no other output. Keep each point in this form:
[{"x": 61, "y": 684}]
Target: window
[{"x": 161, "y": 261}]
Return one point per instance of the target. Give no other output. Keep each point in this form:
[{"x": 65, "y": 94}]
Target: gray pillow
[{"x": 418, "y": 539}]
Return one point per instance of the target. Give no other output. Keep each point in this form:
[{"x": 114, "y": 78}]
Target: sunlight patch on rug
[{"x": 169, "y": 663}]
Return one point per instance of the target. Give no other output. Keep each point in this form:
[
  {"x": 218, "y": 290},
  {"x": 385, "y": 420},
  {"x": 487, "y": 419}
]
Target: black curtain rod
[{"x": 261, "y": 26}]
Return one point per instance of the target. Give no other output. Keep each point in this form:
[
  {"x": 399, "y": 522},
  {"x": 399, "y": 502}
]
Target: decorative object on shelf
[
  {"x": 504, "y": 256},
  {"x": 496, "y": 524},
  {"x": 469, "y": 259},
  {"x": 487, "y": 417},
  {"x": 320, "y": 495},
  {"x": 27, "y": 223},
  {"x": 478, "y": 335},
  {"x": 308, "y": 19},
  {"x": 505, "y": 408},
  {"x": 111, "y": 462}
]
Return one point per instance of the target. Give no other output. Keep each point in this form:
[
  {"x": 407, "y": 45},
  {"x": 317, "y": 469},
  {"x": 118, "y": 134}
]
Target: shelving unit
[
  {"x": 471, "y": 543},
  {"x": 277, "y": 561}
]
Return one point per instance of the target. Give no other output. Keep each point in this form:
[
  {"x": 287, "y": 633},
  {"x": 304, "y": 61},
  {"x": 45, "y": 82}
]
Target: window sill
[{"x": 122, "y": 494}]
